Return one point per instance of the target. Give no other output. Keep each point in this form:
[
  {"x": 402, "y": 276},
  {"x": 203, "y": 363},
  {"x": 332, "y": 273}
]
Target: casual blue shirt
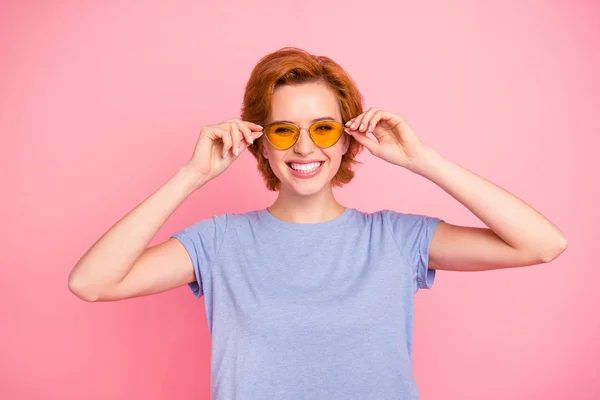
[{"x": 311, "y": 311}]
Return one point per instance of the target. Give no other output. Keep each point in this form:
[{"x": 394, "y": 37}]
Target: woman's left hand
[{"x": 396, "y": 142}]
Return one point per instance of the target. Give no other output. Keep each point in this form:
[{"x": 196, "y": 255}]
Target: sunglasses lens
[
  {"x": 283, "y": 136},
  {"x": 326, "y": 133}
]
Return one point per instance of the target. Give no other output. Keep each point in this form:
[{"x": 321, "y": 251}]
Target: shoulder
[
  {"x": 405, "y": 227},
  {"x": 230, "y": 221},
  {"x": 223, "y": 219},
  {"x": 407, "y": 219}
]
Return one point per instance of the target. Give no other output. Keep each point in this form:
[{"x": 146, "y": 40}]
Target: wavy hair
[{"x": 290, "y": 66}]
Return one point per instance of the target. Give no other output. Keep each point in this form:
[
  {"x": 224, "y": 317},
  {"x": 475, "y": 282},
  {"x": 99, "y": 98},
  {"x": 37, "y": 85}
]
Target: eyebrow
[{"x": 314, "y": 120}]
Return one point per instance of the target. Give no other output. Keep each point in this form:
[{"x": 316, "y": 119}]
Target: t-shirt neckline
[{"x": 272, "y": 220}]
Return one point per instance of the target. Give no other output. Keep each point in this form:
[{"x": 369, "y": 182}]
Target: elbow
[
  {"x": 556, "y": 251},
  {"x": 78, "y": 288}
]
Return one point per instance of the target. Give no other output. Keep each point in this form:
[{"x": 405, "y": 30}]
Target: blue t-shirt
[{"x": 311, "y": 311}]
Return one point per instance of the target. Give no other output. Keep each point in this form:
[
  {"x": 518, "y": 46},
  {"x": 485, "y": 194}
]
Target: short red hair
[{"x": 289, "y": 66}]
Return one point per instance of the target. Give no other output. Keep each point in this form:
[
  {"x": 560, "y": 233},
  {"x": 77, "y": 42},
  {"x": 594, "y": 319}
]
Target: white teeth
[{"x": 305, "y": 167}]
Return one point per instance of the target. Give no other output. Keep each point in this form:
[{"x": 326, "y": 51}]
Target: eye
[
  {"x": 283, "y": 129},
  {"x": 323, "y": 127}
]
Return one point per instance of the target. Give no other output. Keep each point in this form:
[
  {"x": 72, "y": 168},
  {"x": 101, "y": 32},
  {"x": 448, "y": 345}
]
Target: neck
[{"x": 315, "y": 208}]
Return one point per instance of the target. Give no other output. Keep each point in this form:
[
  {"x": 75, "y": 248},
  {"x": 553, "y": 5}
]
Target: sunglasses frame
[{"x": 342, "y": 126}]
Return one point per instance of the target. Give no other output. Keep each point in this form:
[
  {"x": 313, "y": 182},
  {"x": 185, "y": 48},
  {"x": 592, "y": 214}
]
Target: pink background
[{"x": 101, "y": 103}]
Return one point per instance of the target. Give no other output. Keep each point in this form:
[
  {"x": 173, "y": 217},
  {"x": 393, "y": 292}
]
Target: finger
[
  {"x": 365, "y": 122},
  {"x": 246, "y": 131},
  {"x": 214, "y": 135},
  {"x": 213, "y": 132},
  {"x": 256, "y": 135},
  {"x": 227, "y": 143},
  {"x": 253, "y": 126},
  {"x": 370, "y": 144},
  {"x": 257, "y": 130},
  {"x": 353, "y": 124},
  {"x": 377, "y": 116},
  {"x": 393, "y": 120},
  {"x": 236, "y": 135}
]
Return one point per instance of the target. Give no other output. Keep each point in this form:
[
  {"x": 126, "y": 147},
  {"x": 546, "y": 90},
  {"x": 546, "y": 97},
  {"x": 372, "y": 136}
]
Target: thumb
[{"x": 255, "y": 136}]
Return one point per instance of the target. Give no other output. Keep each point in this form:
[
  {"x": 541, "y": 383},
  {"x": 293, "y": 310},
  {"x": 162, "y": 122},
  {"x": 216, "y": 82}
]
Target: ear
[
  {"x": 264, "y": 150},
  {"x": 346, "y": 144}
]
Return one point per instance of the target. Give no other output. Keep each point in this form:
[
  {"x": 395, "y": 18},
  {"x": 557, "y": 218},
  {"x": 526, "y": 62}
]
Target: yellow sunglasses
[{"x": 283, "y": 135}]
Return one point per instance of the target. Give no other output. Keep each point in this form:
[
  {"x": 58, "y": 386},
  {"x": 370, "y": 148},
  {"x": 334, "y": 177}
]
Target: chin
[{"x": 306, "y": 190}]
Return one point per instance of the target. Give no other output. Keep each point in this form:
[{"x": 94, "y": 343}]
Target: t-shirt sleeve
[
  {"x": 202, "y": 241},
  {"x": 413, "y": 234}
]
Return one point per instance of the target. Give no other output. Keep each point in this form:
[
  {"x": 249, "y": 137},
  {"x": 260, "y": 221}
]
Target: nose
[{"x": 304, "y": 145}]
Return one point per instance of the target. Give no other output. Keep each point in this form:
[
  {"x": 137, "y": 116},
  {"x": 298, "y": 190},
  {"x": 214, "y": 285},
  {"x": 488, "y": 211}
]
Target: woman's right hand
[{"x": 216, "y": 147}]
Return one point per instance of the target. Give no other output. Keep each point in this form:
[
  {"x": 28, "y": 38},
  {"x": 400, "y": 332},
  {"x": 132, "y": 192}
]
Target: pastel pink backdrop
[{"x": 101, "y": 102}]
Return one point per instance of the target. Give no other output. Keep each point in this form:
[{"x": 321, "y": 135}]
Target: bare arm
[
  {"x": 518, "y": 234},
  {"x": 120, "y": 265},
  {"x": 101, "y": 273}
]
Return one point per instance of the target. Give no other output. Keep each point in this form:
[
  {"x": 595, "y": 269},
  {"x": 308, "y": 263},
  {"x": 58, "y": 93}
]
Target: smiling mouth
[{"x": 312, "y": 166}]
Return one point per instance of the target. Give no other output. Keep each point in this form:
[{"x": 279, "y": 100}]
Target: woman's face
[{"x": 303, "y": 104}]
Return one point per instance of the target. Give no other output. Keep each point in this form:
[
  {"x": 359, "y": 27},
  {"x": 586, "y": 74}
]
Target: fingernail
[
  {"x": 353, "y": 125},
  {"x": 370, "y": 128},
  {"x": 362, "y": 126},
  {"x": 235, "y": 151},
  {"x": 348, "y": 123},
  {"x": 251, "y": 140},
  {"x": 225, "y": 155}
]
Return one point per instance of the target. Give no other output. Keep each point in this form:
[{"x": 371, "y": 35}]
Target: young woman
[{"x": 307, "y": 298}]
